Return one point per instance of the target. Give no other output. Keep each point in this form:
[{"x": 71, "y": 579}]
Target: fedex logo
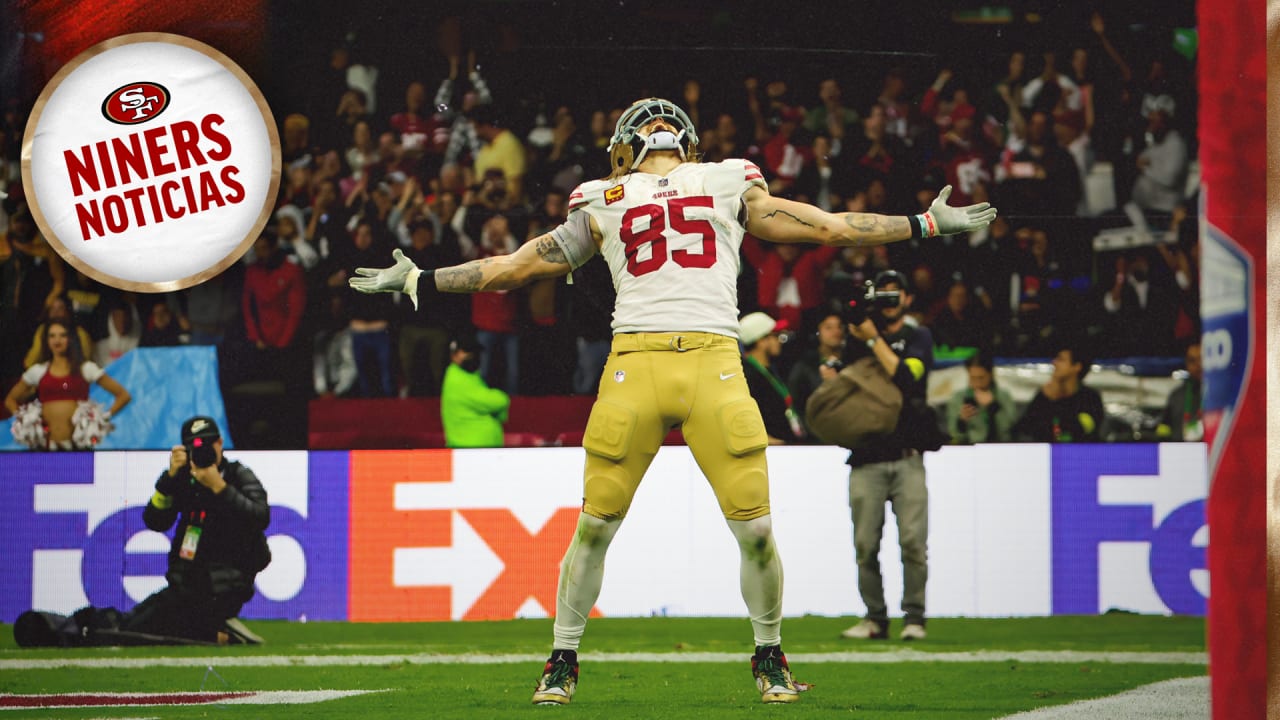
[
  {"x": 1129, "y": 511},
  {"x": 75, "y": 534},
  {"x": 431, "y": 542}
]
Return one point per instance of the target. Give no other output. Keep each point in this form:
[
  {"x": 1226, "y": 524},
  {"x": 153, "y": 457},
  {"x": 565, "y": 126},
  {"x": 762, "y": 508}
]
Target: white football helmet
[{"x": 627, "y": 148}]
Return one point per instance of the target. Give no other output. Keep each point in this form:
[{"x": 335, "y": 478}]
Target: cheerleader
[{"x": 61, "y": 416}]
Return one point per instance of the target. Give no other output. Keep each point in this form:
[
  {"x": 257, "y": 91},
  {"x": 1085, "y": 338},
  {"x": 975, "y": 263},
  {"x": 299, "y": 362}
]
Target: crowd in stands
[{"x": 449, "y": 170}]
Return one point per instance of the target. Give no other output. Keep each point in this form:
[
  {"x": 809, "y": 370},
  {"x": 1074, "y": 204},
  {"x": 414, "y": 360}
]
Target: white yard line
[
  {"x": 295, "y": 697},
  {"x": 1177, "y": 699},
  {"x": 893, "y": 656}
]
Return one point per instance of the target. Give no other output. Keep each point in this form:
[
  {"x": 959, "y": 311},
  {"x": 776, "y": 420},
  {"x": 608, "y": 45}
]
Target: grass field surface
[{"x": 631, "y": 668}]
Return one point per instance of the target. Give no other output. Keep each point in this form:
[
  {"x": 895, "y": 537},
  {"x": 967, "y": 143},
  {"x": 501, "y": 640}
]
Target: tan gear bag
[{"x": 855, "y": 408}]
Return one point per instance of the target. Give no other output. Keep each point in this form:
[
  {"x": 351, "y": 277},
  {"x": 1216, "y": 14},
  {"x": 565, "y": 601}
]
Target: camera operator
[
  {"x": 219, "y": 545},
  {"x": 218, "y": 549},
  {"x": 893, "y": 470}
]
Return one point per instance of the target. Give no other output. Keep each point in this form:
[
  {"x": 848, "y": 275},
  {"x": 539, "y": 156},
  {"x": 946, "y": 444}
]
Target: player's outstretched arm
[
  {"x": 538, "y": 258},
  {"x": 786, "y": 221}
]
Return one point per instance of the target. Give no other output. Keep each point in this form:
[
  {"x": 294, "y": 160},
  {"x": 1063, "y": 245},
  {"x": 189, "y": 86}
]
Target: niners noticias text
[{"x": 162, "y": 173}]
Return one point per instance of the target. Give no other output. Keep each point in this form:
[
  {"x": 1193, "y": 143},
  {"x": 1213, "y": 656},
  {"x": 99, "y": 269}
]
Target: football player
[{"x": 669, "y": 228}]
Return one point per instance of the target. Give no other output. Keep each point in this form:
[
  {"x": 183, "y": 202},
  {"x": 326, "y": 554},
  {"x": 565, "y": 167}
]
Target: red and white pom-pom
[
  {"x": 89, "y": 425},
  {"x": 28, "y": 426}
]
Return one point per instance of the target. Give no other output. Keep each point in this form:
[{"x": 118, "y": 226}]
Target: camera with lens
[
  {"x": 199, "y": 437},
  {"x": 201, "y": 453},
  {"x": 859, "y": 307},
  {"x": 834, "y": 363}
]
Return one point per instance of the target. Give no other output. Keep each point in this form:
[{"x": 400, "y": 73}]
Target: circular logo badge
[
  {"x": 135, "y": 103},
  {"x": 151, "y": 162}
]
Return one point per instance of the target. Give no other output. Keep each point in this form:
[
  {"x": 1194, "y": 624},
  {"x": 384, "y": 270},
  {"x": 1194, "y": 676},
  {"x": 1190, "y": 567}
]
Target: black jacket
[
  {"x": 232, "y": 525},
  {"x": 1059, "y": 421}
]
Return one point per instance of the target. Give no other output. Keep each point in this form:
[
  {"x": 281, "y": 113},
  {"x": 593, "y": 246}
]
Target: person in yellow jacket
[{"x": 472, "y": 412}]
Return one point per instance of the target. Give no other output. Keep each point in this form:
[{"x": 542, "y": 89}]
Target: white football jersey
[{"x": 672, "y": 244}]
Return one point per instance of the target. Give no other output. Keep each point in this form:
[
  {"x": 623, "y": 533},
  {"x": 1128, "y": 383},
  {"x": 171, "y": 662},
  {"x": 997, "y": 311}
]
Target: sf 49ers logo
[{"x": 135, "y": 103}]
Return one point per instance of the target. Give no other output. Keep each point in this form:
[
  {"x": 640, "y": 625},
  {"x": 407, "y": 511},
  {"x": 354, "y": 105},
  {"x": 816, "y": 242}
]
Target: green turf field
[{"x": 631, "y": 668}]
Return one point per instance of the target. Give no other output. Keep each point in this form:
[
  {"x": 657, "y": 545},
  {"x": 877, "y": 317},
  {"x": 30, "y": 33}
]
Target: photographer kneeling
[{"x": 218, "y": 549}]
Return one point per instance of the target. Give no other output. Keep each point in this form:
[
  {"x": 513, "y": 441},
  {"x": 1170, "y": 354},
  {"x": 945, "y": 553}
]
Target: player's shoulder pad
[
  {"x": 735, "y": 174},
  {"x": 589, "y": 193}
]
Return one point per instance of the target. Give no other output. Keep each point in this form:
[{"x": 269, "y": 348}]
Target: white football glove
[
  {"x": 947, "y": 220},
  {"x": 401, "y": 277}
]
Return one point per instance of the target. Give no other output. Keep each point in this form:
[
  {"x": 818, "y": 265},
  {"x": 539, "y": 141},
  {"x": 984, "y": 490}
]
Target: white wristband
[{"x": 411, "y": 285}]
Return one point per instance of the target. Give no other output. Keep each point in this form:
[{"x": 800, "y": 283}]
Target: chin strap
[{"x": 661, "y": 140}]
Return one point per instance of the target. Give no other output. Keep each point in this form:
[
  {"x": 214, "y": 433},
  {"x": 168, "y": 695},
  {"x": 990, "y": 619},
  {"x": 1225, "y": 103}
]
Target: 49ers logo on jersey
[
  {"x": 614, "y": 194},
  {"x": 135, "y": 103}
]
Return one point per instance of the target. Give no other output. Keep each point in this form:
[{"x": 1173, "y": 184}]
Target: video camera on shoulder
[{"x": 860, "y": 306}]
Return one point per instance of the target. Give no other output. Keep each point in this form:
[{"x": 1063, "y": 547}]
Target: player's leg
[
  {"x": 760, "y": 577},
  {"x": 909, "y": 496},
  {"x": 727, "y": 438},
  {"x": 581, "y": 577},
  {"x": 868, "y": 491},
  {"x": 622, "y": 436}
]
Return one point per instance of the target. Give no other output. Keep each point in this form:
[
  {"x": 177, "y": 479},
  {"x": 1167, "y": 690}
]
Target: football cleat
[
  {"x": 559, "y": 679},
  {"x": 773, "y": 676}
]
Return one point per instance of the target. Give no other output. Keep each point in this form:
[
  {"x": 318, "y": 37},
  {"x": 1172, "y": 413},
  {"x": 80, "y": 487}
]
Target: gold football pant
[{"x": 654, "y": 382}]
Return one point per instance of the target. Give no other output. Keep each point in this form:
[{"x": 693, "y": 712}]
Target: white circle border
[{"x": 273, "y": 137}]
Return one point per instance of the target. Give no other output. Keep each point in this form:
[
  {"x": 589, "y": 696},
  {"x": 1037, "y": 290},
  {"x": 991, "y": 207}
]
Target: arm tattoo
[
  {"x": 549, "y": 250},
  {"x": 873, "y": 224},
  {"x": 793, "y": 217},
  {"x": 460, "y": 279},
  {"x": 862, "y": 223}
]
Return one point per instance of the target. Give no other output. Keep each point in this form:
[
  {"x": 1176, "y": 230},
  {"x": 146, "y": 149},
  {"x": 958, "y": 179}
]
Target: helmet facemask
[{"x": 628, "y": 148}]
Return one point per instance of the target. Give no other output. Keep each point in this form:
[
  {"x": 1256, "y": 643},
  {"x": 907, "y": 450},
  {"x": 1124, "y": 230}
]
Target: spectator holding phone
[{"x": 982, "y": 412}]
